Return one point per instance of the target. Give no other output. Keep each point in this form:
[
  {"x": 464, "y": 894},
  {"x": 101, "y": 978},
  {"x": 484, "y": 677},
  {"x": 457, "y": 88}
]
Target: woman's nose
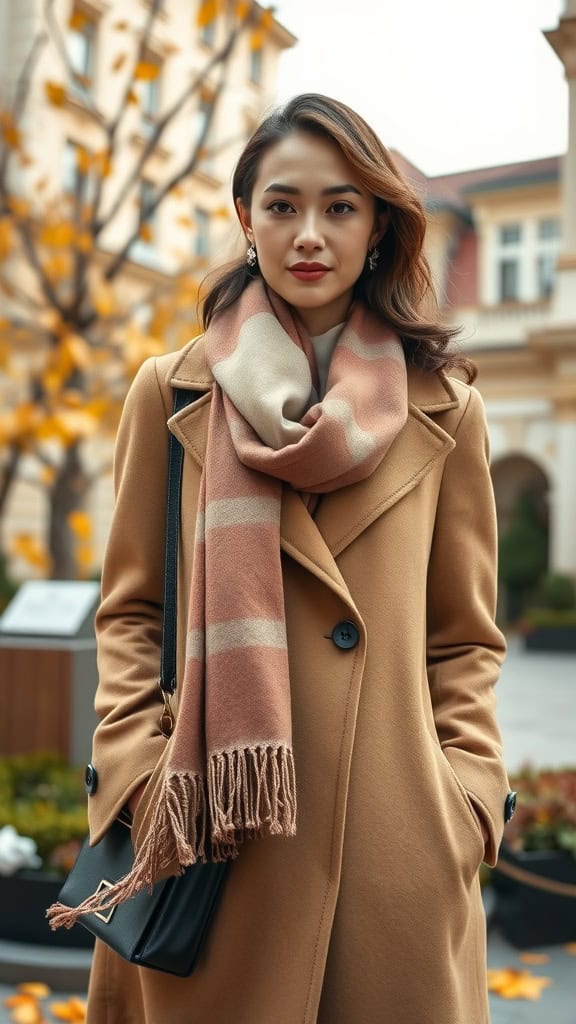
[{"x": 309, "y": 234}]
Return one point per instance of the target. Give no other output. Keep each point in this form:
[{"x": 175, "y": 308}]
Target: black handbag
[{"x": 164, "y": 929}]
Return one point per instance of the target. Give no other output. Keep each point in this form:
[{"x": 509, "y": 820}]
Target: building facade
[{"x": 502, "y": 246}]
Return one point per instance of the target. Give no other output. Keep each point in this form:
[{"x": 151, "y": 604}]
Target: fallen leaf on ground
[
  {"x": 510, "y": 983},
  {"x": 534, "y": 958},
  {"x": 72, "y": 1010}
]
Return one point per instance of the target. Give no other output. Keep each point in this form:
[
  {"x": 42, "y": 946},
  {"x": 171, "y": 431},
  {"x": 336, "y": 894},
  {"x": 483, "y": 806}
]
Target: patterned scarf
[{"x": 229, "y": 774}]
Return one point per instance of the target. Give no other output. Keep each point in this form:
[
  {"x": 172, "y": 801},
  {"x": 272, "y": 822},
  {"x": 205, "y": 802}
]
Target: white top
[{"x": 324, "y": 345}]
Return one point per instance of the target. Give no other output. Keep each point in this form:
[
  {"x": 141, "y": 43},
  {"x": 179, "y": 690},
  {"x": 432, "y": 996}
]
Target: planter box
[
  {"x": 24, "y": 898},
  {"x": 532, "y": 917},
  {"x": 551, "y": 638}
]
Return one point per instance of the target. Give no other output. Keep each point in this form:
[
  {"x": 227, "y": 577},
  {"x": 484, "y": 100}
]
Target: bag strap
[{"x": 167, "y": 681}]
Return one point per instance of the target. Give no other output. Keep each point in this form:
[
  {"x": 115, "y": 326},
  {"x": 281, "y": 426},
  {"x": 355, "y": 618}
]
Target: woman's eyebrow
[{"x": 333, "y": 190}]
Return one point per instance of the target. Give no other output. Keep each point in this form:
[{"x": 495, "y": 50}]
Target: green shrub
[
  {"x": 523, "y": 548},
  {"x": 548, "y": 617},
  {"x": 43, "y": 798},
  {"x": 557, "y": 593}
]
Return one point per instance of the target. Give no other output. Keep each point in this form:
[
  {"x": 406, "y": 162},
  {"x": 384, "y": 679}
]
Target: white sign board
[{"x": 50, "y": 607}]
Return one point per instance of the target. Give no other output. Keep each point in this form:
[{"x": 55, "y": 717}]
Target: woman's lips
[{"x": 312, "y": 273}]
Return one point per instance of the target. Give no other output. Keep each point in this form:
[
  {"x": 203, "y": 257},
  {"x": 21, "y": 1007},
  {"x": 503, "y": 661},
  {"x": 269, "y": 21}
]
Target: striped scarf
[{"x": 229, "y": 774}]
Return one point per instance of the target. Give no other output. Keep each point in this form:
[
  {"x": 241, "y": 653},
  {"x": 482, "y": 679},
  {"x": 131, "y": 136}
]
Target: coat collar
[
  {"x": 346, "y": 513},
  {"x": 429, "y": 392}
]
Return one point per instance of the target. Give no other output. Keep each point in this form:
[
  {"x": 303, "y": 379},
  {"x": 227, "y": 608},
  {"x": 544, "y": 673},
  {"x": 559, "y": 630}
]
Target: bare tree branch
[
  {"x": 9, "y": 474},
  {"x": 22, "y": 92},
  {"x": 60, "y": 43},
  {"x": 220, "y": 58},
  {"x": 147, "y": 211}
]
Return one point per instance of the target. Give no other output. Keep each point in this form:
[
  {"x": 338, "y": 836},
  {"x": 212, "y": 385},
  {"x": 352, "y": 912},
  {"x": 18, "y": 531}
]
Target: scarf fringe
[{"x": 249, "y": 793}]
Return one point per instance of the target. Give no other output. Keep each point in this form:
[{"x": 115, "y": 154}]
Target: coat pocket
[{"x": 460, "y": 800}]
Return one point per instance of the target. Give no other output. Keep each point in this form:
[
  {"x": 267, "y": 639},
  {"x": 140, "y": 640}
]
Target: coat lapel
[{"x": 346, "y": 513}]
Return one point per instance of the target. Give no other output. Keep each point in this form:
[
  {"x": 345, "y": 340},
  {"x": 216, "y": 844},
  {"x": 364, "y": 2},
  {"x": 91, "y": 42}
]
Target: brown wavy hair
[{"x": 400, "y": 290}]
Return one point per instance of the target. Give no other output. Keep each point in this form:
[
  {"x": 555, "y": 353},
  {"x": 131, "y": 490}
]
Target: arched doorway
[{"x": 521, "y": 490}]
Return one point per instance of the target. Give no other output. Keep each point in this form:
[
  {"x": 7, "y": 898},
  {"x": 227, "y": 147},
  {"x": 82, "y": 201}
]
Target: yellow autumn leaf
[
  {"x": 27, "y": 547},
  {"x": 242, "y": 9},
  {"x": 256, "y": 39},
  {"x": 145, "y": 232},
  {"x": 25, "y": 160},
  {"x": 146, "y": 71},
  {"x": 207, "y": 11},
  {"x": 104, "y": 299},
  {"x": 47, "y": 475},
  {"x": 118, "y": 62},
  {"x": 510, "y": 983},
  {"x": 57, "y": 236},
  {"x": 37, "y": 989},
  {"x": 84, "y": 241},
  {"x": 58, "y": 267},
  {"x": 5, "y": 237},
  {"x": 55, "y": 93},
  {"x": 185, "y": 222},
  {"x": 103, "y": 162},
  {"x": 121, "y": 26},
  {"x": 78, "y": 20},
  {"x": 40, "y": 185},
  {"x": 222, "y": 211},
  {"x": 84, "y": 558},
  {"x": 67, "y": 426},
  {"x": 18, "y": 1000},
  {"x": 18, "y": 206},
  {"x": 10, "y": 131},
  {"x": 76, "y": 349},
  {"x": 267, "y": 19},
  {"x": 131, "y": 97},
  {"x": 83, "y": 159},
  {"x": 72, "y": 1010},
  {"x": 80, "y": 524},
  {"x": 534, "y": 958}
]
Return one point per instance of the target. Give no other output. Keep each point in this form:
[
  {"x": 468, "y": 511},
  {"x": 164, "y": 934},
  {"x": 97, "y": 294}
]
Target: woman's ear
[
  {"x": 245, "y": 220},
  {"x": 380, "y": 228}
]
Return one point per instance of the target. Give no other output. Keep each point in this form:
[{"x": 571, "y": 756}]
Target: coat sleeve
[
  {"x": 127, "y": 741},
  {"x": 465, "y": 649}
]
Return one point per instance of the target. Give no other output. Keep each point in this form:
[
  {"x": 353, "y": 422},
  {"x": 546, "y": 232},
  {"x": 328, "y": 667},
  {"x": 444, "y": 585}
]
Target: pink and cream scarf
[{"x": 229, "y": 773}]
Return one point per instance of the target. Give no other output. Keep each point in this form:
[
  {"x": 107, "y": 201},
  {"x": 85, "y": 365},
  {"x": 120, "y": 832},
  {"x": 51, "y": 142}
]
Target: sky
[{"x": 451, "y": 84}]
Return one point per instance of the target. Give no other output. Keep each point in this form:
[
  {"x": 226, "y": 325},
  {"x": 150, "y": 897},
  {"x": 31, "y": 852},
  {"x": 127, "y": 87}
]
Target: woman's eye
[
  {"x": 341, "y": 207},
  {"x": 280, "y": 206}
]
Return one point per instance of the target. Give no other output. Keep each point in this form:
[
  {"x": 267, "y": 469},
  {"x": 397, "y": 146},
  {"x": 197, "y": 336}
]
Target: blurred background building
[{"x": 501, "y": 239}]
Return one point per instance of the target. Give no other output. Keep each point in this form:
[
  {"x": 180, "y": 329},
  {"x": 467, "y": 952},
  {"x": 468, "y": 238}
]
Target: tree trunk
[
  {"x": 9, "y": 476},
  {"x": 67, "y": 495}
]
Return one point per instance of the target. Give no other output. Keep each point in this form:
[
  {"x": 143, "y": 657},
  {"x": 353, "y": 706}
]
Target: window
[
  {"x": 202, "y": 115},
  {"x": 147, "y": 226},
  {"x": 256, "y": 66},
  {"x": 208, "y": 33},
  {"x": 547, "y": 250},
  {"x": 545, "y": 272},
  {"x": 510, "y": 234},
  {"x": 202, "y": 238},
  {"x": 143, "y": 250},
  {"x": 74, "y": 181},
  {"x": 509, "y": 280},
  {"x": 548, "y": 229},
  {"x": 150, "y": 98},
  {"x": 81, "y": 49}
]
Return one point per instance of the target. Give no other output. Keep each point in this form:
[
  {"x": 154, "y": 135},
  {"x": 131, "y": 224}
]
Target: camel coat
[{"x": 373, "y": 912}]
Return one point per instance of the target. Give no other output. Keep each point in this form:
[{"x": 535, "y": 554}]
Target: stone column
[
  {"x": 563, "y": 41},
  {"x": 563, "y": 504}
]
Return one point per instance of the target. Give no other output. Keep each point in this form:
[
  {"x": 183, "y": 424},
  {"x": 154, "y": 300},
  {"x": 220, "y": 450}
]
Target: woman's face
[{"x": 312, "y": 224}]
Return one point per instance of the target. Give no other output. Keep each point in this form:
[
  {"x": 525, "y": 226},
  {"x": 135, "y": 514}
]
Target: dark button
[
  {"x": 509, "y": 805},
  {"x": 91, "y": 779},
  {"x": 345, "y": 635}
]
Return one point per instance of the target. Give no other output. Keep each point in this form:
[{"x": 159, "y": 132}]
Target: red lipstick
[{"x": 309, "y": 271}]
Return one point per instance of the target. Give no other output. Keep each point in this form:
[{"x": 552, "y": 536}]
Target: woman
[{"x": 337, "y": 645}]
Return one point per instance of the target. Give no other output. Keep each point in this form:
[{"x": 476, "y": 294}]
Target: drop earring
[
  {"x": 251, "y": 256},
  {"x": 373, "y": 258}
]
